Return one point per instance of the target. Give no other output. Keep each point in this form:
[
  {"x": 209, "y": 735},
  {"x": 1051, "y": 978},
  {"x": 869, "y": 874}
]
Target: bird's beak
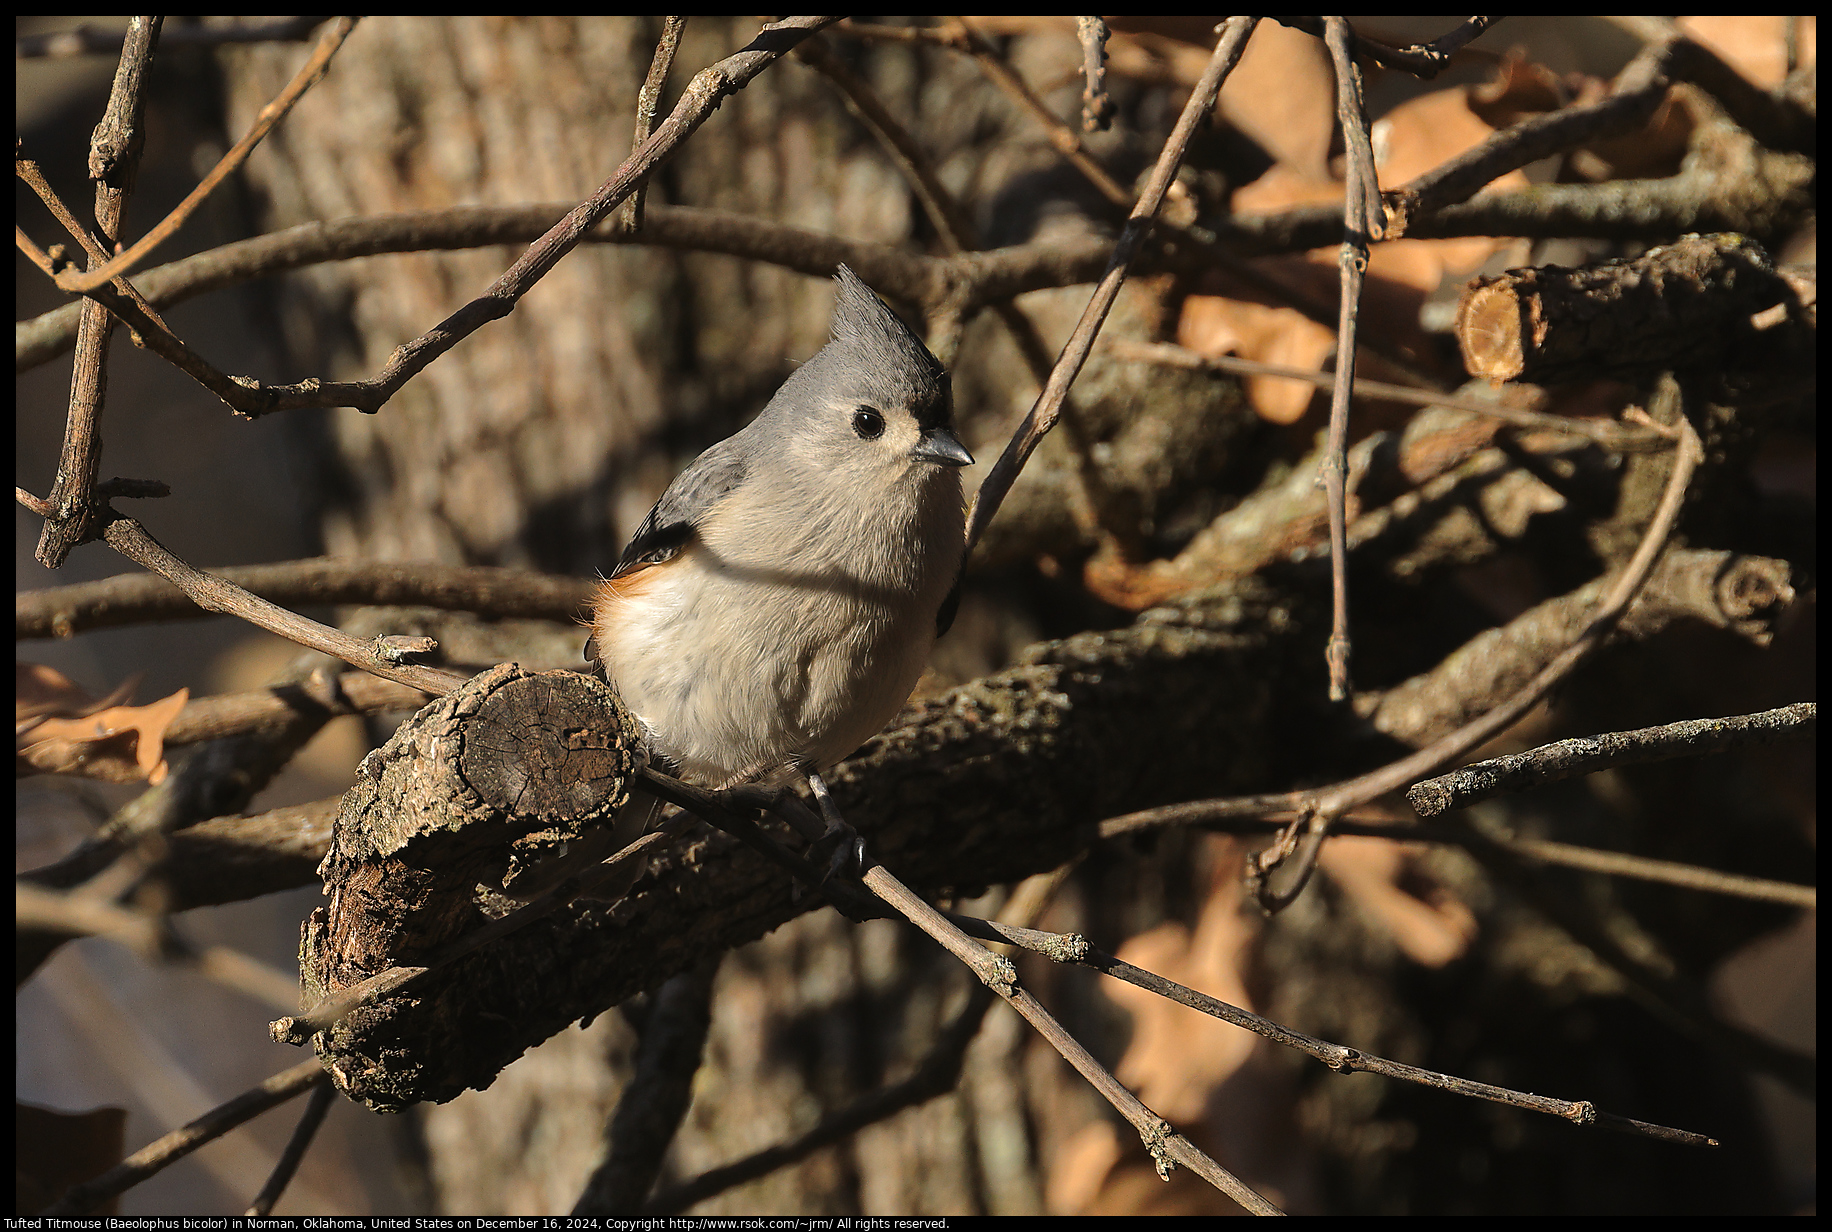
[{"x": 941, "y": 445}]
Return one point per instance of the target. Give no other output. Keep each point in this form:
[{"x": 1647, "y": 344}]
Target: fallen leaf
[{"x": 60, "y": 729}]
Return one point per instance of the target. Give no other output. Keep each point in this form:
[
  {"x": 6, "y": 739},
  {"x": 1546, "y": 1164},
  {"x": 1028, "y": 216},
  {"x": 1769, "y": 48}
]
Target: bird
[{"x": 775, "y": 609}]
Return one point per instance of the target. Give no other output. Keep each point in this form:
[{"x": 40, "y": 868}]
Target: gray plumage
[{"x": 777, "y": 605}]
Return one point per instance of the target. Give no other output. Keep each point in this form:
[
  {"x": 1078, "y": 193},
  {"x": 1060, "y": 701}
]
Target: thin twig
[
  {"x": 935, "y": 1075},
  {"x": 1654, "y": 978},
  {"x": 84, "y": 915},
  {"x": 121, "y": 298},
  {"x": 1064, "y": 138},
  {"x": 945, "y": 214},
  {"x": 1550, "y": 763},
  {"x": 1165, "y": 1144},
  {"x": 1703, "y": 199},
  {"x": 961, "y": 284},
  {"x": 1610, "y": 436},
  {"x": 1642, "y": 868},
  {"x": 1096, "y": 104},
  {"x": 1074, "y": 949},
  {"x": 1268, "y": 815},
  {"x": 1043, "y": 414},
  {"x": 156, "y": 1156},
  {"x": 108, "y": 489},
  {"x": 132, "y": 540},
  {"x": 1189, "y": 242},
  {"x": 114, "y": 163},
  {"x": 270, "y": 115},
  {"x": 140, "y": 598},
  {"x": 296, "y": 1146},
  {"x": 701, "y": 98},
  {"x": 1318, "y": 808},
  {"x": 1361, "y": 224},
  {"x": 647, "y": 100}
]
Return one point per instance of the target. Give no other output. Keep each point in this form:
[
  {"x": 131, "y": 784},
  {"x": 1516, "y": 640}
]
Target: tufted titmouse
[{"x": 776, "y": 607}]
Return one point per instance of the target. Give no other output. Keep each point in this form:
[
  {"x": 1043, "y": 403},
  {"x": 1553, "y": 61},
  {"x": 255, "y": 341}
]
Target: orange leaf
[{"x": 60, "y": 729}]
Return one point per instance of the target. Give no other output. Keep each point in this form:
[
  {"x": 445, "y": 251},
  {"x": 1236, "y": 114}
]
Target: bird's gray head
[{"x": 872, "y": 402}]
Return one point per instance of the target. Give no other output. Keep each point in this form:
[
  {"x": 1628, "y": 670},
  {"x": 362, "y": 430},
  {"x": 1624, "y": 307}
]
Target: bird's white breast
[{"x": 742, "y": 661}]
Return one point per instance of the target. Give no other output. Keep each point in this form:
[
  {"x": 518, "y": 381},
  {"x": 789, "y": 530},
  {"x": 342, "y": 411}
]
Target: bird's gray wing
[{"x": 707, "y": 480}]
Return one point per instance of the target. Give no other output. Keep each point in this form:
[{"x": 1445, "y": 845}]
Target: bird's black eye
[{"x": 868, "y": 423}]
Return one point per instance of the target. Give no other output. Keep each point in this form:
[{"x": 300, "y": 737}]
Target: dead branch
[
  {"x": 114, "y": 162},
  {"x": 1551, "y": 763},
  {"x": 156, "y": 1156},
  {"x": 140, "y": 598},
  {"x": 1682, "y": 305}
]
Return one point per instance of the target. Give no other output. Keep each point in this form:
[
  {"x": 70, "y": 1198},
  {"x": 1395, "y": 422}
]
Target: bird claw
[{"x": 841, "y": 849}]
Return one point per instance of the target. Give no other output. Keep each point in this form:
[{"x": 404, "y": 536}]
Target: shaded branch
[
  {"x": 1514, "y": 406},
  {"x": 1042, "y": 416},
  {"x": 139, "y": 598},
  {"x": 130, "y": 539},
  {"x": 1646, "y": 971},
  {"x": 162, "y": 1153},
  {"x": 1075, "y": 949},
  {"x": 701, "y": 98},
  {"x": 114, "y": 163},
  {"x": 1726, "y": 590},
  {"x": 1638, "y": 90},
  {"x": 1267, "y": 814},
  {"x": 652, "y": 1103},
  {"x": 308, "y": 76},
  {"x": 936, "y": 1074},
  {"x": 964, "y": 283},
  {"x": 86, "y": 40},
  {"x": 296, "y": 1146},
  {"x": 1317, "y": 809},
  {"x": 79, "y": 916}
]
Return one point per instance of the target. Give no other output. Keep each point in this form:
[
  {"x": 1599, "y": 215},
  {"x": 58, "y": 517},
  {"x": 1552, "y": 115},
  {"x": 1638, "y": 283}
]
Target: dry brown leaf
[
  {"x": 1370, "y": 871},
  {"x": 1519, "y": 88},
  {"x": 1178, "y": 1056},
  {"x": 1283, "y": 95},
  {"x": 1755, "y": 46},
  {"x": 1213, "y": 325},
  {"x": 61, "y": 729},
  {"x": 39, "y": 690},
  {"x": 1080, "y": 1169},
  {"x": 1215, "y": 1082},
  {"x": 1409, "y": 140}
]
